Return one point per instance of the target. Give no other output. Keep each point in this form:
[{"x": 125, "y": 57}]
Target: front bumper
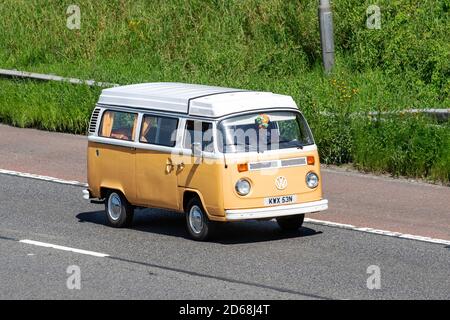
[{"x": 277, "y": 211}]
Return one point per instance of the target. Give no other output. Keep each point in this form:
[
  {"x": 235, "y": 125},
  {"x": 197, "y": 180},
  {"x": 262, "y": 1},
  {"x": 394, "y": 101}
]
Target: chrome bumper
[{"x": 277, "y": 211}]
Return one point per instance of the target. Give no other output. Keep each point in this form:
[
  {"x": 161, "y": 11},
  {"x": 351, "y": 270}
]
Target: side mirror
[{"x": 196, "y": 149}]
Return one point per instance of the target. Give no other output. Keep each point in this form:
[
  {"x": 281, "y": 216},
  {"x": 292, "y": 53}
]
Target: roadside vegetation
[{"x": 264, "y": 45}]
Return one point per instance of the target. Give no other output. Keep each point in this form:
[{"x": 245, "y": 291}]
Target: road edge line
[
  {"x": 378, "y": 231},
  {"x": 42, "y": 178}
]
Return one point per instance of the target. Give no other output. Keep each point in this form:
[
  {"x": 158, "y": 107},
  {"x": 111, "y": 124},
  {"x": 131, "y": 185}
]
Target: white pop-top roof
[{"x": 192, "y": 99}]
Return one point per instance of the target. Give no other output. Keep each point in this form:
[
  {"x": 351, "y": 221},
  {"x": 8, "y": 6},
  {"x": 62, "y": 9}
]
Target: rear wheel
[
  {"x": 291, "y": 223},
  {"x": 198, "y": 225},
  {"x": 119, "y": 212}
]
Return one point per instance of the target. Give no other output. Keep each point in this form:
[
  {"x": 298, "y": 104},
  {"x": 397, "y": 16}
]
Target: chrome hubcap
[
  {"x": 114, "y": 206},
  {"x": 196, "y": 220}
]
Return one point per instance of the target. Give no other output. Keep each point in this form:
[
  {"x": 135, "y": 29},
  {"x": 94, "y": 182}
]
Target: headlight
[
  {"x": 312, "y": 180},
  {"x": 243, "y": 187}
]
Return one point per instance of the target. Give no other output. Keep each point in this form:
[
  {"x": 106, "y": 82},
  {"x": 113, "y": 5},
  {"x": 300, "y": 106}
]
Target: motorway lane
[
  {"x": 358, "y": 199},
  {"x": 155, "y": 258},
  {"x": 35, "y": 273}
]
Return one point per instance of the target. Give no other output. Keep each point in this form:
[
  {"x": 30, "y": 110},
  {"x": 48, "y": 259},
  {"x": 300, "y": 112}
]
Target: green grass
[
  {"x": 414, "y": 147},
  {"x": 264, "y": 45},
  {"x": 48, "y": 106}
]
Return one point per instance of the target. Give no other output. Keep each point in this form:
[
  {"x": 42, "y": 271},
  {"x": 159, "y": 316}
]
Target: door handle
[
  {"x": 180, "y": 166},
  {"x": 169, "y": 166}
]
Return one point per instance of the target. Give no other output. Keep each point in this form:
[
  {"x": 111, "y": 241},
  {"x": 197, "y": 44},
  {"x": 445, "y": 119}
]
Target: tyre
[
  {"x": 200, "y": 228},
  {"x": 119, "y": 212},
  {"x": 291, "y": 223}
]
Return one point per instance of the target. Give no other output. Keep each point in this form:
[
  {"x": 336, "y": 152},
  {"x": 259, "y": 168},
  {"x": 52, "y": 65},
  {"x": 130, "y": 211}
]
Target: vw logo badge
[{"x": 281, "y": 183}]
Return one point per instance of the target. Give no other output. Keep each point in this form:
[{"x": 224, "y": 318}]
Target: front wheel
[
  {"x": 291, "y": 223},
  {"x": 118, "y": 211},
  {"x": 199, "y": 226}
]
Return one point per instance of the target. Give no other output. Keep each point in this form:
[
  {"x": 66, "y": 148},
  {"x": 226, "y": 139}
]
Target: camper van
[{"x": 215, "y": 154}]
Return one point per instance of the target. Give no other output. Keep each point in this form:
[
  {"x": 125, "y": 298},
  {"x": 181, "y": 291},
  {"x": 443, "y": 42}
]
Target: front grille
[
  {"x": 278, "y": 164},
  {"x": 293, "y": 162},
  {"x": 263, "y": 165}
]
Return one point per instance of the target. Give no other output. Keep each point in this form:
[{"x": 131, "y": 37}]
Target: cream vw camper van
[{"x": 215, "y": 154}]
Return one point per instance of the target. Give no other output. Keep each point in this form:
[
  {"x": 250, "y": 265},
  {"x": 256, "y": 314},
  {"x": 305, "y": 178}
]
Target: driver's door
[{"x": 201, "y": 172}]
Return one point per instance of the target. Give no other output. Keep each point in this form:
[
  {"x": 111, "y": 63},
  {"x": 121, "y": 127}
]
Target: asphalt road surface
[{"x": 155, "y": 258}]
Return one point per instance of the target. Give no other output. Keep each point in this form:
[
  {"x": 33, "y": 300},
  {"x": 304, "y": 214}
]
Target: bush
[{"x": 413, "y": 146}]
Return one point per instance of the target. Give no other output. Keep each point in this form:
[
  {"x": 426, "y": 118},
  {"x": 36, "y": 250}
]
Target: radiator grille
[
  {"x": 263, "y": 165},
  {"x": 295, "y": 162}
]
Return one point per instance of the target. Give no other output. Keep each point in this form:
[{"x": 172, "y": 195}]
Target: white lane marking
[
  {"x": 378, "y": 231},
  {"x": 54, "y": 246},
  {"x": 44, "y": 178},
  {"x": 321, "y": 222}
]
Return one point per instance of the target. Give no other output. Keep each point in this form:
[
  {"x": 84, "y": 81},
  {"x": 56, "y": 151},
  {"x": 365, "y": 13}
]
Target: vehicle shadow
[{"x": 173, "y": 224}]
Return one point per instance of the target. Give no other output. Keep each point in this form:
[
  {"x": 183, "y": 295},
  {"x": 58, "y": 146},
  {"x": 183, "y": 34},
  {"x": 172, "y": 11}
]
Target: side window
[
  {"x": 198, "y": 131},
  {"x": 118, "y": 125},
  {"x": 159, "y": 130}
]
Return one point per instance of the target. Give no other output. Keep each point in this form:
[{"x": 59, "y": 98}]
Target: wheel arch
[
  {"x": 189, "y": 194},
  {"x": 105, "y": 189}
]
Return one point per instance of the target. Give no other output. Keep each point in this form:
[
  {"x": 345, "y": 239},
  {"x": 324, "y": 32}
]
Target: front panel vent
[{"x": 94, "y": 119}]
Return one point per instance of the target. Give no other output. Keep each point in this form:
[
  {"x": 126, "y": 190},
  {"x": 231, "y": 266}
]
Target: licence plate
[{"x": 280, "y": 200}]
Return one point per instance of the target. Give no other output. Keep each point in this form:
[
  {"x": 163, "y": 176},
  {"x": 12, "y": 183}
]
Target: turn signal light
[
  {"x": 311, "y": 161},
  {"x": 242, "y": 167}
]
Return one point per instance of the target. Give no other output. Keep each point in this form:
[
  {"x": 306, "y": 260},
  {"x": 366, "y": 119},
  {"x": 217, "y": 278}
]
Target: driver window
[{"x": 199, "y": 131}]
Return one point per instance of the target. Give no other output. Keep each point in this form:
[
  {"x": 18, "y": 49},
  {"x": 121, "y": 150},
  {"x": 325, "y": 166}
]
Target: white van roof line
[{"x": 192, "y": 99}]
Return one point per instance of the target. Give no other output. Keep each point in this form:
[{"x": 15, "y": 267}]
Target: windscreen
[{"x": 259, "y": 132}]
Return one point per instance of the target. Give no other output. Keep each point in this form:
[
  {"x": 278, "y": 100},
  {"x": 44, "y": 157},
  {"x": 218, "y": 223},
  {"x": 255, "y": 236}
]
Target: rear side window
[
  {"x": 118, "y": 125},
  {"x": 160, "y": 131}
]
